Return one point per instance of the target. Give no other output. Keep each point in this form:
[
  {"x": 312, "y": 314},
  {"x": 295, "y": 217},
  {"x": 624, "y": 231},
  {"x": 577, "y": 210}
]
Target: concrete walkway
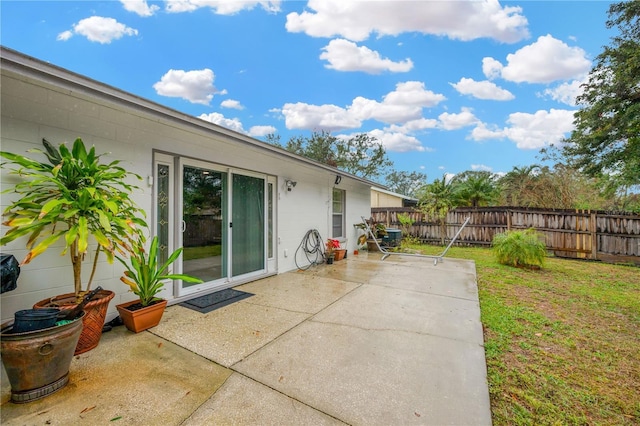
[{"x": 362, "y": 342}]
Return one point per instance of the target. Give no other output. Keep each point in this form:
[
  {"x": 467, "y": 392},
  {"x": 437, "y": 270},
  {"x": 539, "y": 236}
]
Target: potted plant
[
  {"x": 329, "y": 251},
  {"x": 86, "y": 204},
  {"x": 335, "y": 248},
  {"x": 145, "y": 278},
  {"x": 379, "y": 230}
]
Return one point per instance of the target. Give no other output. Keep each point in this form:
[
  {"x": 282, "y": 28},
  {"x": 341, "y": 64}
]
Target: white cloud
[
  {"x": 491, "y": 68},
  {"x": 530, "y": 131},
  {"x": 259, "y": 131},
  {"x": 141, "y": 7},
  {"x": 321, "y": 117},
  {"x": 544, "y": 61},
  {"x": 449, "y": 121},
  {"x": 481, "y": 167},
  {"x": 231, "y": 103},
  {"x": 194, "y": 86},
  {"x": 535, "y": 131},
  {"x": 482, "y": 90},
  {"x": 98, "y": 29},
  {"x": 413, "y": 93},
  {"x": 221, "y": 7},
  {"x": 344, "y": 55},
  {"x": 221, "y": 120},
  {"x": 565, "y": 93},
  {"x": 398, "y": 142},
  {"x": 481, "y": 133},
  {"x": 404, "y": 104},
  {"x": 65, "y": 35},
  {"x": 356, "y": 20},
  {"x": 368, "y": 109},
  {"x": 414, "y": 125}
]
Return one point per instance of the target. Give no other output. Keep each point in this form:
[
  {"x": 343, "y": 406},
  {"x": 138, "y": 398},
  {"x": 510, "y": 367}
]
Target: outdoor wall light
[
  {"x": 290, "y": 184},
  {"x": 338, "y": 179}
]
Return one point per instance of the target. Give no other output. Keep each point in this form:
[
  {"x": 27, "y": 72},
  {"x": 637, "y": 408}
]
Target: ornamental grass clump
[{"x": 520, "y": 248}]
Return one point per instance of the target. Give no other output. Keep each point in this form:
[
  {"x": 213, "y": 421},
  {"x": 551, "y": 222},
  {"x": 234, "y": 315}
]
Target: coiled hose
[{"x": 313, "y": 247}]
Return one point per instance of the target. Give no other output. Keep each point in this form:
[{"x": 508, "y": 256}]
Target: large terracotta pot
[
  {"x": 93, "y": 321},
  {"x": 143, "y": 318},
  {"x": 37, "y": 362}
]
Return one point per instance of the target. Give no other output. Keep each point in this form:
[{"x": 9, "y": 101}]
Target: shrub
[{"x": 519, "y": 248}]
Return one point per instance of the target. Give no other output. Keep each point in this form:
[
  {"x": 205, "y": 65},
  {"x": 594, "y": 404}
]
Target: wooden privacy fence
[{"x": 568, "y": 233}]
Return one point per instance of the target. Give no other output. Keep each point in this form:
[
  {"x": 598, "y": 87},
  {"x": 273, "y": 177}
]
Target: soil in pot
[{"x": 141, "y": 318}]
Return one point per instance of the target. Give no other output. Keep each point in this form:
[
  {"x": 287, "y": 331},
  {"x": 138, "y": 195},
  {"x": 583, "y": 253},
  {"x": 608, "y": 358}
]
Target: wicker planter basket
[{"x": 93, "y": 321}]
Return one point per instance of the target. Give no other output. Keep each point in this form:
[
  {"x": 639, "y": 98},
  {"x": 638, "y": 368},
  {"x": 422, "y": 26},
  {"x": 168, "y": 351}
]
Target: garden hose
[{"x": 312, "y": 245}]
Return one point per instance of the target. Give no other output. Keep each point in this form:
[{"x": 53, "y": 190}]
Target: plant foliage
[
  {"x": 73, "y": 197},
  {"x": 145, "y": 277},
  {"x": 606, "y": 139},
  {"x": 519, "y": 248}
]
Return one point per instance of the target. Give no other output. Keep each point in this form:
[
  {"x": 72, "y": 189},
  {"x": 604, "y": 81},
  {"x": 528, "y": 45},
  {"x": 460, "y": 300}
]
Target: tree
[
  {"x": 474, "y": 188},
  {"x": 406, "y": 183},
  {"x": 436, "y": 199},
  {"x": 557, "y": 187},
  {"x": 606, "y": 139},
  {"x": 361, "y": 155}
]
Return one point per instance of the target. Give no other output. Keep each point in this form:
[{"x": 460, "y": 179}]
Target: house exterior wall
[
  {"x": 33, "y": 108},
  {"x": 380, "y": 199}
]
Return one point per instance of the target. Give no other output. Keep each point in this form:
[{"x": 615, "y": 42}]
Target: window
[{"x": 338, "y": 213}]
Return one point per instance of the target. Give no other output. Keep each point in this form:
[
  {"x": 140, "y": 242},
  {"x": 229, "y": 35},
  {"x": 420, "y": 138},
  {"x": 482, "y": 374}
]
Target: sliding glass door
[
  {"x": 248, "y": 225},
  {"x": 204, "y": 218},
  {"x": 222, "y": 218}
]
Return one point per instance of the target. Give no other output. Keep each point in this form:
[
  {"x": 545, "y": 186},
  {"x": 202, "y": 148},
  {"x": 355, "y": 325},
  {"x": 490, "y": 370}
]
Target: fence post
[
  {"x": 594, "y": 235},
  {"x": 508, "y": 220}
]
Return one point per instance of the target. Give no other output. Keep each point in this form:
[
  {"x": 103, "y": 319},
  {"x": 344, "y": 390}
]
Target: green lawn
[
  {"x": 191, "y": 253},
  {"x": 562, "y": 343}
]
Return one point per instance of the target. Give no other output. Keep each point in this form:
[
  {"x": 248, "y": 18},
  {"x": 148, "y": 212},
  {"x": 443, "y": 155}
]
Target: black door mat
[{"x": 213, "y": 301}]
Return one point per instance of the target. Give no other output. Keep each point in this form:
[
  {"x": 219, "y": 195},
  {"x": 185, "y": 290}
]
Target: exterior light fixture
[
  {"x": 338, "y": 179},
  {"x": 290, "y": 184}
]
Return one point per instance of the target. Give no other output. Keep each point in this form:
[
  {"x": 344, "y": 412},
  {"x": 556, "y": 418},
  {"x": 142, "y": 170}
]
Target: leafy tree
[
  {"x": 406, "y": 183},
  {"x": 474, "y": 188},
  {"x": 514, "y": 185},
  {"x": 606, "y": 139},
  {"x": 436, "y": 199},
  {"x": 557, "y": 187},
  {"x": 361, "y": 155}
]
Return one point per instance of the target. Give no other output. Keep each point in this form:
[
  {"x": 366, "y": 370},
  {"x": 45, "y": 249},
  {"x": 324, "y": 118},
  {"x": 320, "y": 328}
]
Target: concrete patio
[{"x": 362, "y": 342}]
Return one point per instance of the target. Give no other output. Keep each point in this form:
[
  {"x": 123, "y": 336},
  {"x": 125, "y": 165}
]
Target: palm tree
[
  {"x": 436, "y": 199},
  {"x": 474, "y": 188}
]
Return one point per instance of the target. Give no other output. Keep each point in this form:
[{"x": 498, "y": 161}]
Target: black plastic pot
[{"x": 34, "y": 319}]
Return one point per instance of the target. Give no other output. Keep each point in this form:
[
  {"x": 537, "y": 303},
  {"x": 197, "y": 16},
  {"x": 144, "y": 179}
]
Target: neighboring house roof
[
  {"x": 393, "y": 194},
  {"x": 25, "y": 65}
]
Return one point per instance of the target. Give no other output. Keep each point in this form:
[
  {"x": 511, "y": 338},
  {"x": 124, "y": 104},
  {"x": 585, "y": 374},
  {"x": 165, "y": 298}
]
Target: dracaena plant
[
  {"x": 75, "y": 198},
  {"x": 145, "y": 277}
]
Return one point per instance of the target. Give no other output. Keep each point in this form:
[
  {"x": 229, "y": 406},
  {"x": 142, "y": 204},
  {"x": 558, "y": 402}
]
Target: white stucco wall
[{"x": 33, "y": 109}]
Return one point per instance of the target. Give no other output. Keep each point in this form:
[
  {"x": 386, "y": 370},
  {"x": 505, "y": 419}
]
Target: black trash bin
[{"x": 9, "y": 272}]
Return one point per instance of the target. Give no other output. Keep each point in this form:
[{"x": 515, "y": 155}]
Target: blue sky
[{"x": 446, "y": 86}]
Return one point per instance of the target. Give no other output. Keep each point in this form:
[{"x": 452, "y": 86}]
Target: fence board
[{"x": 568, "y": 233}]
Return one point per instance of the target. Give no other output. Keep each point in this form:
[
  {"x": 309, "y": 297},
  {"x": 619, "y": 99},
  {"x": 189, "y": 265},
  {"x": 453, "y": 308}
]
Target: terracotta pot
[
  {"x": 37, "y": 362},
  {"x": 371, "y": 245},
  {"x": 93, "y": 321},
  {"x": 143, "y": 318},
  {"x": 340, "y": 254}
]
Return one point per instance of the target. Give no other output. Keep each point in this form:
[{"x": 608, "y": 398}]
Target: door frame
[{"x": 176, "y": 162}]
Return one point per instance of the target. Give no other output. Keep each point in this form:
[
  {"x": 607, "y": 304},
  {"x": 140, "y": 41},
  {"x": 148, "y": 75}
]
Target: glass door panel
[
  {"x": 204, "y": 231},
  {"x": 248, "y": 224}
]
